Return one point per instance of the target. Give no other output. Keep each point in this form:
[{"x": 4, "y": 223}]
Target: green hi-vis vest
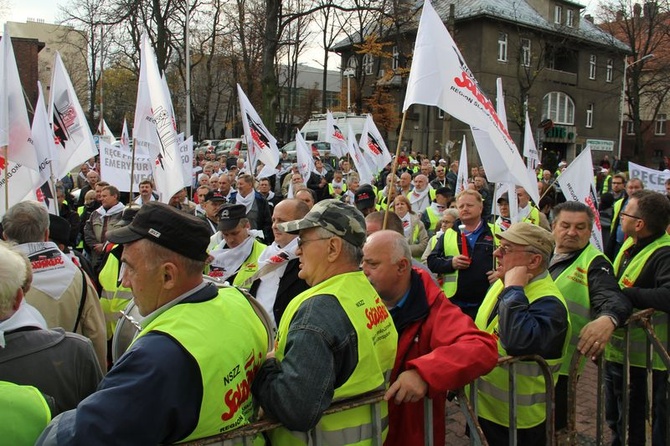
[
  {"x": 616, "y": 208},
  {"x": 451, "y": 242},
  {"x": 573, "y": 283},
  {"x": 533, "y": 216},
  {"x": 331, "y": 190},
  {"x": 228, "y": 357},
  {"x": 433, "y": 218},
  {"x": 250, "y": 265},
  {"x": 114, "y": 297},
  {"x": 607, "y": 182},
  {"x": 493, "y": 389},
  {"x": 377, "y": 345},
  {"x": 24, "y": 413},
  {"x": 638, "y": 339}
]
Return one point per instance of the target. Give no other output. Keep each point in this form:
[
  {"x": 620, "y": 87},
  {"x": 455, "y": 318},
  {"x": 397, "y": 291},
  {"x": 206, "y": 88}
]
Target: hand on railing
[{"x": 594, "y": 337}]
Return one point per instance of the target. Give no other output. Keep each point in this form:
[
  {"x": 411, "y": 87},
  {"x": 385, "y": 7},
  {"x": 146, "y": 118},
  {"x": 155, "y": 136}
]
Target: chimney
[
  {"x": 650, "y": 9},
  {"x": 619, "y": 15},
  {"x": 588, "y": 17},
  {"x": 637, "y": 10}
]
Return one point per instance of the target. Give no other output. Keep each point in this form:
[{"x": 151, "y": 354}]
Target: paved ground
[{"x": 586, "y": 413}]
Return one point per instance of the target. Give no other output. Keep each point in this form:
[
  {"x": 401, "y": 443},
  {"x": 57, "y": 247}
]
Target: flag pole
[
  {"x": 394, "y": 166},
  {"x": 132, "y": 168}
]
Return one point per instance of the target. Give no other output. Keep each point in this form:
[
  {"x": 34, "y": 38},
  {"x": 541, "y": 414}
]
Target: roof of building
[{"x": 515, "y": 11}]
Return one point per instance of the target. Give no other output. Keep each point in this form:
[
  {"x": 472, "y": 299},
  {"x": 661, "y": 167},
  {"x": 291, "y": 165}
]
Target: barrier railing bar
[
  {"x": 570, "y": 435},
  {"x": 467, "y": 408},
  {"x": 626, "y": 384},
  {"x": 377, "y": 428},
  {"x": 428, "y": 434},
  {"x": 649, "y": 350},
  {"x": 600, "y": 403},
  {"x": 513, "y": 437}
]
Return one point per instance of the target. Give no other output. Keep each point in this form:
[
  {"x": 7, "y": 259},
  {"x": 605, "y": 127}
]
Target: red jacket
[{"x": 446, "y": 349}]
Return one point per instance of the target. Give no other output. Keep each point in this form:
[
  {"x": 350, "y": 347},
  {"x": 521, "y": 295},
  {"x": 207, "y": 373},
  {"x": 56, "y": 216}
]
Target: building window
[
  {"x": 368, "y": 63},
  {"x": 395, "y": 63},
  {"x": 440, "y": 113},
  {"x": 558, "y": 14},
  {"x": 570, "y": 18},
  {"x": 558, "y": 107},
  {"x": 610, "y": 70},
  {"x": 589, "y": 117},
  {"x": 525, "y": 52},
  {"x": 592, "y": 66},
  {"x": 502, "y": 47},
  {"x": 630, "y": 128},
  {"x": 352, "y": 62},
  {"x": 659, "y": 126}
]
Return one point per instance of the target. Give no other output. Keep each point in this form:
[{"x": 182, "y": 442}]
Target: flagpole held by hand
[{"x": 394, "y": 166}]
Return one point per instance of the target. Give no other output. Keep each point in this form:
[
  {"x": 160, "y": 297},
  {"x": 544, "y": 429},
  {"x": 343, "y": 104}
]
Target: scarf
[
  {"x": 419, "y": 200},
  {"x": 503, "y": 223},
  {"x": 247, "y": 201},
  {"x": 25, "y": 316},
  {"x": 116, "y": 209},
  {"x": 53, "y": 271},
  {"x": 407, "y": 225},
  {"x": 227, "y": 261},
  {"x": 438, "y": 209}
]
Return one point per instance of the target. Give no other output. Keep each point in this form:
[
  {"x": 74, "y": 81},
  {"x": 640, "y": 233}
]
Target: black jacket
[{"x": 290, "y": 285}]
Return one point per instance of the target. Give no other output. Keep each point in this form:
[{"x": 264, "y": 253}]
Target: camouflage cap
[
  {"x": 527, "y": 234},
  {"x": 343, "y": 220}
]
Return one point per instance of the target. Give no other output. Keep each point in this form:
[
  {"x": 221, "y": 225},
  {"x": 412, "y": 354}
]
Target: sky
[{"x": 21, "y": 10}]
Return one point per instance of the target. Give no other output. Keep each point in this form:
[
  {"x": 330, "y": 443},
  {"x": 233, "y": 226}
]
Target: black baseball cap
[
  {"x": 364, "y": 197},
  {"x": 168, "y": 227},
  {"x": 230, "y": 216},
  {"x": 214, "y": 195}
]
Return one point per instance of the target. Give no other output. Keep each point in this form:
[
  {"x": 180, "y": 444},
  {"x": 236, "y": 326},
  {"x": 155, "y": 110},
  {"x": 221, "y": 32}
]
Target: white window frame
[
  {"x": 559, "y": 107},
  {"x": 570, "y": 18},
  {"x": 368, "y": 63},
  {"x": 589, "y": 116},
  {"x": 558, "y": 14},
  {"x": 502, "y": 47},
  {"x": 630, "y": 128},
  {"x": 609, "y": 72},
  {"x": 659, "y": 124},
  {"x": 526, "y": 54},
  {"x": 395, "y": 62},
  {"x": 593, "y": 60}
]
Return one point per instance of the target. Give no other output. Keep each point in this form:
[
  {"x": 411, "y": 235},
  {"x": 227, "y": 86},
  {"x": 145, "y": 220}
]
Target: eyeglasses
[
  {"x": 506, "y": 249},
  {"x": 630, "y": 216},
  {"x": 301, "y": 242}
]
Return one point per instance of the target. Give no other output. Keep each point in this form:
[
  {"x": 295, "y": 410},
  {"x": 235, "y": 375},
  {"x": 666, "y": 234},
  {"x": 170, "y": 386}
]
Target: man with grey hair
[
  {"x": 529, "y": 316},
  {"x": 60, "y": 364},
  {"x": 61, "y": 291},
  {"x": 421, "y": 195},
  {"x": 296, "y": 385}
]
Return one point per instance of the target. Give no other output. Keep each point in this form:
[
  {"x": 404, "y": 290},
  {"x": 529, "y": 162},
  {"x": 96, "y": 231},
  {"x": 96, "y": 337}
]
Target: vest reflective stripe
[
  {"x": 638, "y": 339},
  {"x": 250, "y": 265},
  {"x": 377, "y": 345},
  {"x": 226, "y": 370},
  {"x": 450, "y": 246},
  {"x": 573, "y": 283},
  {"x": 24, "y": 413},
  {"x": 114, "y": 297},
  {"x": 493, "y": 389}
]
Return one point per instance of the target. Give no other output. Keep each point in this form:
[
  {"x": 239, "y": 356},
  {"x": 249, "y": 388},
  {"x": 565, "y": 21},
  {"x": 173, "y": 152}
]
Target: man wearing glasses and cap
[
  {"x": 529, "y": 316},
  {"x": 336, "y": 340},
  {"x": 170, "y": 386}
]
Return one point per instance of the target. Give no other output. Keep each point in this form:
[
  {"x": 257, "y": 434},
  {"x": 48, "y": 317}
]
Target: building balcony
[{"x": 560, "y": 77}]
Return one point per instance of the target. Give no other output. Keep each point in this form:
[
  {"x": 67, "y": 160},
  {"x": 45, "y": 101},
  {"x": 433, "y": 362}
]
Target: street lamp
[
  {"x": 626, "y": 66},
  {"x": 349, "y": 73}
]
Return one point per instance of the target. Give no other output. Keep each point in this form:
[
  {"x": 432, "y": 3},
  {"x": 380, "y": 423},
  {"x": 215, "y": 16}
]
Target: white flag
[
  {"x": 115, "y": 167},
  {"x": 261, "y": 144},
  {"x": 577, "y": 184},
  {"x": 103, "y": 129},
  {"x": 462, "y": 177},
  {"x": 440, "y": 77},
  {"x": 373, "y": 145},
  {"x": 500, "y": 102},
  {"x": 304, "y": 157},
  {"x": 15, "y": 131},
  {"x": 125, "y": 138},
  {"x": 651, "y": 178},
  {"x": 68, "y": 122},
  {"x": 186, "y": 154},
  {"x": 43, "y": 137},
  {"x": 334, "y": 136},
  {"x": 167, "y": 169},
  {"x": 364, "y": 174}
]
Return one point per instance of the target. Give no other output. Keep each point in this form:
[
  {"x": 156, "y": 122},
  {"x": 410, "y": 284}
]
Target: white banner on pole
[
  {"x": 115, "y": 165},
  {"x": 651, "y": 178}
]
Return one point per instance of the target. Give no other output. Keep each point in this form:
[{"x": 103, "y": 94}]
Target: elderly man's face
[
  {"x": 144, "y": 276},
  {"x": 510, "y": 255},
  {"x": 420, "y": 182},
  {"x": 572, "y": 231},
  {"x": 379, "y": 267},
  {"x": 92, "y": 177},
  {"x": 311, "y": 251}
]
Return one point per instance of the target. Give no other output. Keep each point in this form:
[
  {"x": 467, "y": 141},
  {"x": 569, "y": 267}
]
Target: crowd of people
[{"x": 292, "y": 291}]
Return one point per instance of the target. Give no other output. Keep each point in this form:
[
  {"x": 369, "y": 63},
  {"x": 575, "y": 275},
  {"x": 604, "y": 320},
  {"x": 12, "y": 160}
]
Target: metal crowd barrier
[
  {"x": 246, "y": 434},
  {"x": 642, "y": 319}
]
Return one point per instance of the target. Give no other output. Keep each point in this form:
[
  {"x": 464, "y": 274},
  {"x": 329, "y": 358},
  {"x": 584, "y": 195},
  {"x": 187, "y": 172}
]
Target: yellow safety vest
[
  {"x": 493, "y": 389},
  {"x": 638, "y": 339},
  {"x": 377, "y": 345},
  {"x": 573, "y": 283},
  {"x": 24, "y": 413},
  {"x": 114, "y": 297},
  {"x": 250, "y": 265},
  {"x": 229, "y": 355},
  {"x": 533, "y": 216},
  {"x": 433, "y": 218}
]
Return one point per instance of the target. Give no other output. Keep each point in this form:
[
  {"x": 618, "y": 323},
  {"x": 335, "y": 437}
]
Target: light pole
[
  {"x": 626, "y": 66},
  {"x": 348, "y": 73}
]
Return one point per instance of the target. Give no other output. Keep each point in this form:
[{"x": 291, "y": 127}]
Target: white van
[{"x": 315, "y": 128}]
